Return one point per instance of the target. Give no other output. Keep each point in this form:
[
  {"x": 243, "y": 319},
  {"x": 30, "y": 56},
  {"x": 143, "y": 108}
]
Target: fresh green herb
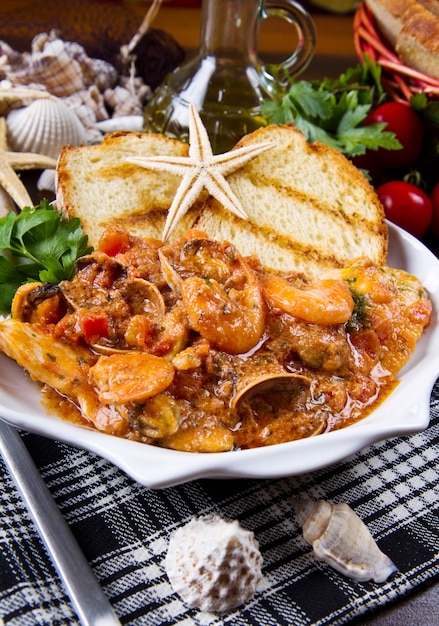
[
  {"x": 37, "y": 244},
  {"x": 332, "y": 111},
  {"x": 360, "y": 316},
  {"x": 428, "y": 109},
  {"x": 425, "y": 172}
]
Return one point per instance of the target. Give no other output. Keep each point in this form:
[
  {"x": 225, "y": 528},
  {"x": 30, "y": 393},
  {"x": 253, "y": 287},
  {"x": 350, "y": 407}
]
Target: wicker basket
[{"x": 398, "y": 79}]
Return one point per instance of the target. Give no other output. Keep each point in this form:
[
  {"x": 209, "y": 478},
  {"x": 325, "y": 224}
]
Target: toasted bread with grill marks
[
  {"x": 309, "y": 208},
  {"x": 96, "y": 184}
]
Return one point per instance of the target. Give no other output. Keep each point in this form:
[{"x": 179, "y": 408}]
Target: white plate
[{"x": 405, "y": 411}]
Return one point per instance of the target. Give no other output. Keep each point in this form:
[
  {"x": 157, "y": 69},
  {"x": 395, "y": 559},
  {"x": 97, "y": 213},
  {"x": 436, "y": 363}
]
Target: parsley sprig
[
  {"x": 332, "y": 111},
  {"x": 37, "y": 244}
]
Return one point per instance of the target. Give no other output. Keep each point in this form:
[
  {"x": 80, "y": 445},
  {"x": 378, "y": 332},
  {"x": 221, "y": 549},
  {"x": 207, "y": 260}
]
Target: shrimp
[
  {"x": 134, "y": 383},
  {"x": 130, "y": 377},
  {"x": 221, "y": 294},
  {"x": 231, "y": 321},
  {"x": 326, "y": 301}
]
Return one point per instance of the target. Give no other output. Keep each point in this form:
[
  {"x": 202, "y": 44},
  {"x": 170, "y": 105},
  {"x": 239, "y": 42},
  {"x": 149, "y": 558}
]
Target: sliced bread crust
[
  {"x": 418, "y": 42},
  {"x": 412, "y": 29},
  {"x": 390, "y": 16}
]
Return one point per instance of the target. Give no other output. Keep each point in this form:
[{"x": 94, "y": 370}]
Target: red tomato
[
  {"x": 94, "y": 328},
  {"x": 407, "y": 206},
  {"x": 402, "y": 120},
  {"x": 113, "y": 242},
  {"x": 434, "y": 197}
]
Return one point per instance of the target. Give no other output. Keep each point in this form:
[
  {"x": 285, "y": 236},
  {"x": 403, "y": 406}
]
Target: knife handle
[{"x": 88, "y": 599}]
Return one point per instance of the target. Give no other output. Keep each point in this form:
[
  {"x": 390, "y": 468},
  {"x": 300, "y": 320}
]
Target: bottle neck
[{"x": 228, "y": 29}]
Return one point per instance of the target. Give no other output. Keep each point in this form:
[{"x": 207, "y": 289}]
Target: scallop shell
[
  {"x": 18, "y": 97},
  {"x": 341, "y": 539},
  {"x": 44, "y": 127}
]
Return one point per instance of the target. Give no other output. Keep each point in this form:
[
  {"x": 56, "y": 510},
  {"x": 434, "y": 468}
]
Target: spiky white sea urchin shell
[{"x": 214, "y": 564}]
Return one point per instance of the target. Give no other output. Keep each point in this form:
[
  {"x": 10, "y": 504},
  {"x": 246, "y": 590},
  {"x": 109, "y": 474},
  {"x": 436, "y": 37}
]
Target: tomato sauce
[{"x": 192, "y": 347}]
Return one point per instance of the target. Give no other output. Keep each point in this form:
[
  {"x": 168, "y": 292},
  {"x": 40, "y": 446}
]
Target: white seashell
[
  {"x": 124, "y": 122},
  {"x": 88, "y": 105},
  {"x": 55, "y": 69},
  {"x": 46, "y": 181},
  {"x": 123, "y": 102},
  {"x": 17, "y": 97},
  {"x": 341, "y": 539},
  {"x": 40, "y": 40},
  {"x": 95, "y": 71},
  {"x": 130, "y": 106},
  {"x": 92, "y": 136},
  {"x": 8, "y": 56},
  {"x": 52, "y": 67},
  {"x": 101, "y": 73},
  {"x": 214, "y": 564},
  {"x": 136, "y": 86},
  {"x": 43, "y": 127}
]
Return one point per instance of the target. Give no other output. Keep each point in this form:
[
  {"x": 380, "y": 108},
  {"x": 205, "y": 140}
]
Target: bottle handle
[{"x": 282, "y": 73}]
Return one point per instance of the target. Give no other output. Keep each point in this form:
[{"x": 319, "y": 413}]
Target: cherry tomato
[
  {"x": 402, "y": 120},
  {"x": 434, "y": 197},
  {"x": 407, "y": 206}
]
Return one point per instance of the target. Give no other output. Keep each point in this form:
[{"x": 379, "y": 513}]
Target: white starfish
[
  {"x": 201, "y": 170},
  {"x": 11, "y": 161}
]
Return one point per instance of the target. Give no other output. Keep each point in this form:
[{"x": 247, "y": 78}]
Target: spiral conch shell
[
  {"x": 43, "y": 127},
  {"x": 341, "y": 539}
]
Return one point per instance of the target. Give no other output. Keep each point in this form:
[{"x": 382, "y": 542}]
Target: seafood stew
[{"x": 192, "y": 347}]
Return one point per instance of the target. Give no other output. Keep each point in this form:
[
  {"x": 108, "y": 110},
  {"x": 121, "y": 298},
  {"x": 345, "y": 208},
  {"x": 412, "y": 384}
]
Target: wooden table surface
[{"x": 334, "y": 53}]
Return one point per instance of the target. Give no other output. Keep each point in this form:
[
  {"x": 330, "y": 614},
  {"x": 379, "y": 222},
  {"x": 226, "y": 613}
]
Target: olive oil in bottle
[{"x": 226, "y": 81}]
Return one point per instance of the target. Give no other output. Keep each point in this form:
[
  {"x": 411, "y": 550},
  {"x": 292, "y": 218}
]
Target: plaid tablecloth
[{"x": 123, "y": 529}]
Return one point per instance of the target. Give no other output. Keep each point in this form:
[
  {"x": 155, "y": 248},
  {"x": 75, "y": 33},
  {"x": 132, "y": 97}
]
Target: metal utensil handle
[{"x": 91, "y": 605}]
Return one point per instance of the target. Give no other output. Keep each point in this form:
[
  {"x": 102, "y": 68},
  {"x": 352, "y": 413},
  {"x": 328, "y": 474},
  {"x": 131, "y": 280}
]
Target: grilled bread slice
[
  {"x": 309, "y": 208},
  {"x": 96, "y": 184}
]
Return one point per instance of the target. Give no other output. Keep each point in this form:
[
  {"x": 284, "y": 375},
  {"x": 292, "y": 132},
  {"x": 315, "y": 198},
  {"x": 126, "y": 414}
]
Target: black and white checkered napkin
[{"x": 123, "y": 529}]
